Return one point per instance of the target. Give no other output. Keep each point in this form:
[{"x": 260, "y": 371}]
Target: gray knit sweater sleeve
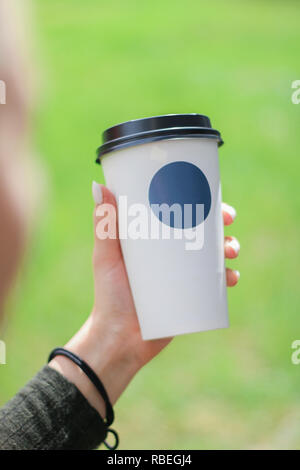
[{"x": 50, "y": 413}]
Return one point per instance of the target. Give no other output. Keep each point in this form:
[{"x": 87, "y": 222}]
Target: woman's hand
[{"x": 110, "y": 341}]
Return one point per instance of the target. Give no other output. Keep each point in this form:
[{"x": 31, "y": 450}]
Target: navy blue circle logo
[{"x": 180, "y": 183}]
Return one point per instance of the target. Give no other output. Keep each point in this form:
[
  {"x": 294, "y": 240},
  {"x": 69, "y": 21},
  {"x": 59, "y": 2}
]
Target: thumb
[{"x": 107, "y": 250}]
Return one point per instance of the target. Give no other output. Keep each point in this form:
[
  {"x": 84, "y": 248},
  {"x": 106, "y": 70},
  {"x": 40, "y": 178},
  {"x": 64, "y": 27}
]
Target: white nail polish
[
  {"x": 97, "y": 193},
  {"x": 231, "y": 211},
  {"x": 237, "y": 273},
  {"x": 235, "y": 245}
]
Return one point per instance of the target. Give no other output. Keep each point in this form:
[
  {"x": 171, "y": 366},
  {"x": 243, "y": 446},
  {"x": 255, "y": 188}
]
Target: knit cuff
[{"x": 50, "y": 413}]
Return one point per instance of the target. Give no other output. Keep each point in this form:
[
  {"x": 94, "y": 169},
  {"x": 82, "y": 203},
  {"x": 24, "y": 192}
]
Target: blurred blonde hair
[{"x": 20, "y": 176}]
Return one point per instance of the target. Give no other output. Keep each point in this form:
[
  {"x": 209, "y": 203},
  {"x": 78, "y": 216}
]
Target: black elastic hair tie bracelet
[{"x": 99, "y": 386}]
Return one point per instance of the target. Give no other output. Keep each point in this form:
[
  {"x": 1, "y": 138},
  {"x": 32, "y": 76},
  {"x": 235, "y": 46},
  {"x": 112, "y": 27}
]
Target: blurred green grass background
[{"x": 105, "y": 62}]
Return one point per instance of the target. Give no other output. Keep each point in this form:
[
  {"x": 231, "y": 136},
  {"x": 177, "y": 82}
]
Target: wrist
[{"x": 112, "y": 358}]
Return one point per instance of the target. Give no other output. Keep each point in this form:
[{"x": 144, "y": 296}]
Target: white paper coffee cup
[{"x": 178, "y": 282}]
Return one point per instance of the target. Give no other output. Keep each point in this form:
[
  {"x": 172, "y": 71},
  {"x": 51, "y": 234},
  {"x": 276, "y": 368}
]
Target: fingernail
[
  {"x": 231, "y": 211},
  {"x": 97, "y": 193},
  {"x": 234, "y": 244},
  {"x": 237, "y": 273}
]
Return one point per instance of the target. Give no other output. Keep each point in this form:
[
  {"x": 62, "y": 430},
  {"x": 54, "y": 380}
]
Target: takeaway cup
[{"x": 164, "y": 173}]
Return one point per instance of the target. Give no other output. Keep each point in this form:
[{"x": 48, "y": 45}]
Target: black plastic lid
[{"x": 168, "y": 126}]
